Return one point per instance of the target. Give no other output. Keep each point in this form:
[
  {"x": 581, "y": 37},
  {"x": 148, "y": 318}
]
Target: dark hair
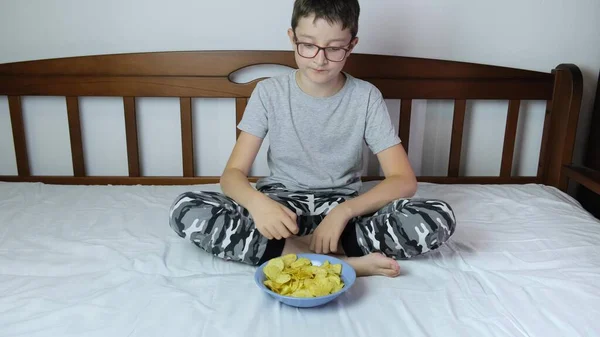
[{"x": 344, "y": 12}]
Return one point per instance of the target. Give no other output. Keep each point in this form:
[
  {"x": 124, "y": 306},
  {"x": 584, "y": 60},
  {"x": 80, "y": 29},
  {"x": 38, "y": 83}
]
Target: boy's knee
[
  {"x": 179, "y": 213},
  {"x": 439, "y": 211},
  {"x": 446, "y": 219},
  {"x": 431, "y": 224}
]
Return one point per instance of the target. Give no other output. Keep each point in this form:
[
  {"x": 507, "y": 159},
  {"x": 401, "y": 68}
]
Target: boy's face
[{"x": 320, "y": 33}]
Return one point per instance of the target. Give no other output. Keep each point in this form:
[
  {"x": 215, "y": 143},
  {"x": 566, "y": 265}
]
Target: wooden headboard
[{"x": 187, "y": 75}]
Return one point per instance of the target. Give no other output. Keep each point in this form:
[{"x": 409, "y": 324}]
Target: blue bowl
[{"x": 348, "y": 276}]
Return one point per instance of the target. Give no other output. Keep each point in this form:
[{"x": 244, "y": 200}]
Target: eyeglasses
[{"x": 333, "y": 54}]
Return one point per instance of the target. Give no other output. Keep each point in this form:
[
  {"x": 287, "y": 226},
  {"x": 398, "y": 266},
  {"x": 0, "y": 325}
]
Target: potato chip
[
  {"x": 277, "y": 263},
  {"x": 300, "y": 262},
  {"x": 301, "y": 293},
  {"x": 337, "y": 268},
  {"x": 289, "y": 275},
  {"x": 283, "y": 278},
  {"x": 272, "y": 285},
  {"x": 271, "y": 272},
  {"x": 319, "y": 272},
  {"x": 288, "y": 259},
  {"x": 286, "y": 290}
]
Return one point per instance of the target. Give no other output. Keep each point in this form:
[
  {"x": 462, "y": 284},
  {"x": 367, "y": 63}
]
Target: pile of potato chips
[{"x": 297, "y": 277}]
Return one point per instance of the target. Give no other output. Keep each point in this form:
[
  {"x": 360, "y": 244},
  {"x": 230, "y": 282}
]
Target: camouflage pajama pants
[{"x": 402, "y": 229}]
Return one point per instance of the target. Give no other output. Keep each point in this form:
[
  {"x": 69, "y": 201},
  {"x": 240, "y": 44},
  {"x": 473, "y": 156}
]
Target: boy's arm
[
  {"x": 399, "y": 182},
  {"x": 273, "y": 220},
  {"x": 234, "y": 179},
  {"x": 382, "y": 138}
]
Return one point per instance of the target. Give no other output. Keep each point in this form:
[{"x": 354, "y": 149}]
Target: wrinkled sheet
[{"x": 103, "y": 261}]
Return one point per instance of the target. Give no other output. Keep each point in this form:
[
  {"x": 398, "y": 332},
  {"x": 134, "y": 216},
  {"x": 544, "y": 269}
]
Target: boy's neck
[{"x": 320, "y": 90}]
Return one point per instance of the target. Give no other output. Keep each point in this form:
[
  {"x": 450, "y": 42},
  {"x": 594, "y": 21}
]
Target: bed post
[{"x": 564, "y": 115}]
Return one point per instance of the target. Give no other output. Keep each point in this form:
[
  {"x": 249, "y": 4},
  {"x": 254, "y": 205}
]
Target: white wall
[{"x": 531, "y": 34}]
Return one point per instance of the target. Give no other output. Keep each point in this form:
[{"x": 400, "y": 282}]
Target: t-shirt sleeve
[
  {"x": 379, "y": 131},
  {"x": 255, "y": 118}
]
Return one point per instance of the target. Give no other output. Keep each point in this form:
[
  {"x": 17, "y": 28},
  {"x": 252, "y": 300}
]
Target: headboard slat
[
  {"x": 131, "y": 135},
  {"x": 187, "y": 136},
  {"x": 543, "y": 162},
  {"x": 404, "y": 129},
  {"x": 458, "y": 121},
  {"x": 510, "y": 135},
  {"x": 240, "y": 106},
  {"x": 18, "y": 130},
  {"x": 75, "y": 136}
]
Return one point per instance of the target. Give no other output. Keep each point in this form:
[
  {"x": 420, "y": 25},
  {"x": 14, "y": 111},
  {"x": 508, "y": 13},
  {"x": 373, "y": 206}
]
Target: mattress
[{"x": 103, "y": 261}]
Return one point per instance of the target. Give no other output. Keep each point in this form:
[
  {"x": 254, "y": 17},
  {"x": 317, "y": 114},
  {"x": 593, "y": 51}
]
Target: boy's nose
[{"x": 320, "y": 59}]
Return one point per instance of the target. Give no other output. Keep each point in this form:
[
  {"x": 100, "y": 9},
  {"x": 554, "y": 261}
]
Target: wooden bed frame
[{"x": 207, "y": 74}]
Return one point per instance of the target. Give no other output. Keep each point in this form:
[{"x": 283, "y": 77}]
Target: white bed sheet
[{"x": 102, "y": 261}]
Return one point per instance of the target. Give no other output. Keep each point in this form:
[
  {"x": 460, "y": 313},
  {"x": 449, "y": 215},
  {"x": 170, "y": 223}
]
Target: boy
[{"x": 318, "y": 118}]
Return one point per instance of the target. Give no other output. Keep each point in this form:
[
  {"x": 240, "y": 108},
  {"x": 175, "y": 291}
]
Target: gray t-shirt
[{"x": 316, "y": 143}]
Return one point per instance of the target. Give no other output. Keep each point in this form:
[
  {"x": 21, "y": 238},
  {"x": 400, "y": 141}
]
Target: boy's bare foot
[{"x": 374, "y": 264}]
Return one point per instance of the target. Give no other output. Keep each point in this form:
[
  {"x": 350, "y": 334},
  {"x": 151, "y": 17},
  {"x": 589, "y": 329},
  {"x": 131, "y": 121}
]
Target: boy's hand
[
  {"x": 273, "y": 220},
  {"x": 327, "y": 235}
]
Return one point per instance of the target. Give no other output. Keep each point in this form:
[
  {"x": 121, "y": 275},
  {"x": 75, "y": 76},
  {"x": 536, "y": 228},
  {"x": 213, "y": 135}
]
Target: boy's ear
[
  {"x": 353, "y": 43},
  {"x": 290, "y": 33}
]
